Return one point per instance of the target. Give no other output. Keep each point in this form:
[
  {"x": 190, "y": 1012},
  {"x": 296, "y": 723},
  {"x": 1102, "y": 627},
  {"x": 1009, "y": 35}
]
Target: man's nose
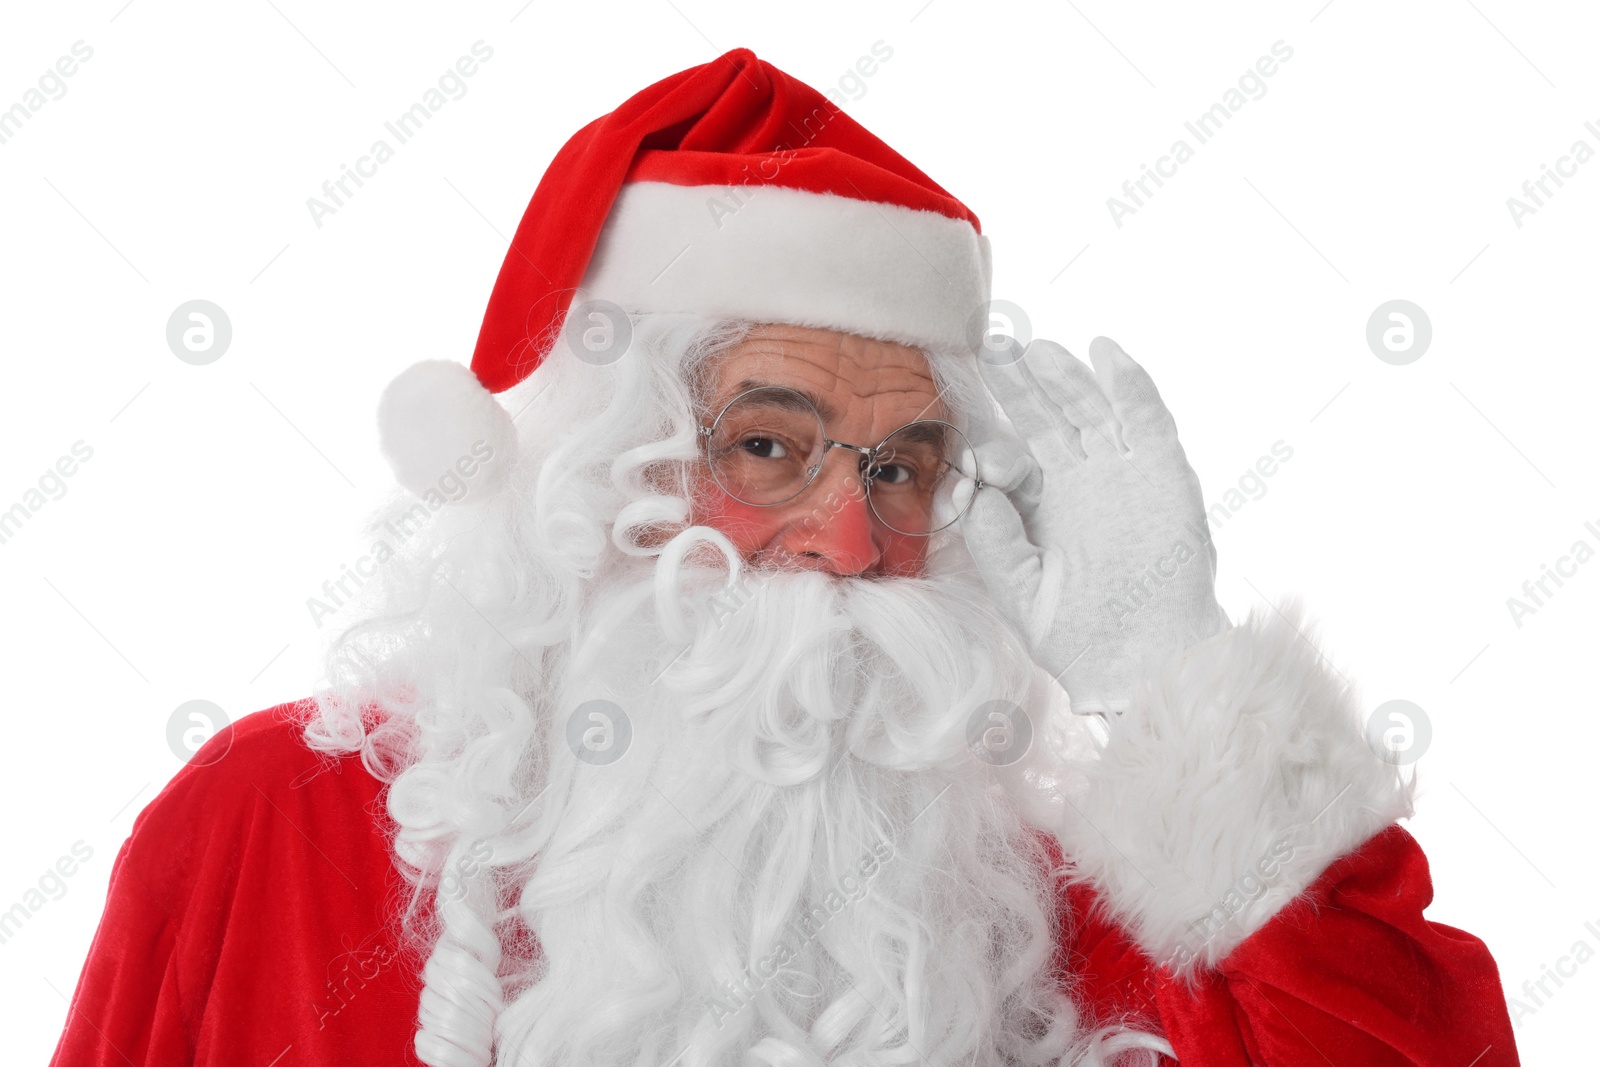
[{"x": 834, "y": 530}]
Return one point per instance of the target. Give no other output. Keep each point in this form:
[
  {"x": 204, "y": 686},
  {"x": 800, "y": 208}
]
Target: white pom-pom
[{"x": 443, "y": 432}]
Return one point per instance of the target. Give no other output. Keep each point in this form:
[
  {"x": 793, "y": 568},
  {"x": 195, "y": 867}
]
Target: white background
[{"x": 1377, "y": 166}]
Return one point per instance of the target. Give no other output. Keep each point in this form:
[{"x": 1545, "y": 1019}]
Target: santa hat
[{"x": 732, "y": 190}]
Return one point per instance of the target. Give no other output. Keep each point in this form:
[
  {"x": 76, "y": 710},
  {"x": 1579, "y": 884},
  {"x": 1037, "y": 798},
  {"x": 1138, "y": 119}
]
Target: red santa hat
[{"x": 730, "y": 189}]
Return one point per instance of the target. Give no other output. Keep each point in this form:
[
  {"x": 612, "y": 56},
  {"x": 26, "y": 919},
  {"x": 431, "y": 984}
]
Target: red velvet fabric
[
  {"x": 737, "y": 120},
  {"x": 246, "y": 922},
  {"x": 249, "y": 921},
  {"x": 1348, "y": 973}
]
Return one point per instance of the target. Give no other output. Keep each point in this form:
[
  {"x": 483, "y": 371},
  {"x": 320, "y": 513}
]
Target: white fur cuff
[{"x": 1238, "y": 775}]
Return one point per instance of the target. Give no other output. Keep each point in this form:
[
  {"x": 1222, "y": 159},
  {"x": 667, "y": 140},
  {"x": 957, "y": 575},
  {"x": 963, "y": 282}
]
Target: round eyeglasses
[{"x": 768, "y": 445}]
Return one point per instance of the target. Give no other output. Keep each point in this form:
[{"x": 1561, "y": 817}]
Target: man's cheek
[
  {"x": 747, "y": 526},
  {"x": 904, "y": 557}
]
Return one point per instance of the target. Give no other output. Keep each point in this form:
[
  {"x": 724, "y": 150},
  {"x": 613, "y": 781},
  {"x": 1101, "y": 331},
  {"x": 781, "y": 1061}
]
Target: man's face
[{"x": 865, "y": 390}]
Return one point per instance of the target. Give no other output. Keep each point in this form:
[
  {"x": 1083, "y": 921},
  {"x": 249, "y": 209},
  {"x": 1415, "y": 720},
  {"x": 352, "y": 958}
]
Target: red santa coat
[{"x": 248, "y": 922}]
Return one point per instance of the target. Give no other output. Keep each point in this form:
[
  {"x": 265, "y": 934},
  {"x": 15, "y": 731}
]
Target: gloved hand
[{"x": 1093, "y": 536}]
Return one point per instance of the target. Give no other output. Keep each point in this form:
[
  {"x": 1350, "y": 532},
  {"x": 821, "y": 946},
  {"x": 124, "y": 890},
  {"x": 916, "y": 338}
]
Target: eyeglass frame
[{"x": 870, "y": 453}]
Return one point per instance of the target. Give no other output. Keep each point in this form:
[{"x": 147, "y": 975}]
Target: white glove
[{"x": 1093, "y": 536}]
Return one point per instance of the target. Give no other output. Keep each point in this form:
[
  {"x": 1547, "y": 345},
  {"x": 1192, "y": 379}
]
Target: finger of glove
[
  {"x": 1006, "y": 463},
  {"x": 1077, "y": 393},
  {"x": 997, "y": 540},
  {"x": 1134, "y": 397},
  {"x": 1053, "y": 439}
]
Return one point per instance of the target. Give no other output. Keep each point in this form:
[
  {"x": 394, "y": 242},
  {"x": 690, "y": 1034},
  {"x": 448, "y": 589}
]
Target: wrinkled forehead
[{"x": 851, "y": 380}]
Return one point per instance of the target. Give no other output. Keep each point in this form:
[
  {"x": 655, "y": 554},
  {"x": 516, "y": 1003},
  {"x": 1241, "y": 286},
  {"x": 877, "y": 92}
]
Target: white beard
[
  {"x": 798, "y": 858},
  {"x": 783, "y": 850}
]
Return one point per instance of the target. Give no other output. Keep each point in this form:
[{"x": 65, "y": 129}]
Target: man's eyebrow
[
  {"x": 825, "y": 409},
  {"x": 925, "y": 432}
]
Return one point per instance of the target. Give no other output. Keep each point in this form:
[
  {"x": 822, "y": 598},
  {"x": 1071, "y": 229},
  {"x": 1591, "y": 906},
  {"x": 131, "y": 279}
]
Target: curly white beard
[
  {"x": 797, "y": 855},
  {"x": 780, "y": 848},
  {"x": 777, "y": 847}
]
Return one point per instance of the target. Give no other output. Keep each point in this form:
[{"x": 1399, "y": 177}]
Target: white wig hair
[{"x": 565, "y": 912}]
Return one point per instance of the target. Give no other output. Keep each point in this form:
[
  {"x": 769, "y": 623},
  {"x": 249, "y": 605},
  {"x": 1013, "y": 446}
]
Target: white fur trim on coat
[
  {"x": 767, "y": 253},
  {"x": 1239, "y": 774}
]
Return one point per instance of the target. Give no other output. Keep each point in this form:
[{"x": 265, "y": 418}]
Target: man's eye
[
  {"x": 764, "y": 448},
  {"x": 893, "y": 474}
]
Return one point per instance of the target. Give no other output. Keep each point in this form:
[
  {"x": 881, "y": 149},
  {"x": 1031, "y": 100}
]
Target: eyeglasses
[{"x": 768, "y": 445}]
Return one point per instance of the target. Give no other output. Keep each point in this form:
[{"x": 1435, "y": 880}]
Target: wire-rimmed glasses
[{"x": 768, "y": 444}]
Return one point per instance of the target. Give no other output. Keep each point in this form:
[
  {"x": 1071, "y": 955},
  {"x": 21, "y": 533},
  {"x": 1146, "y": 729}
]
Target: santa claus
[{"x": 783, "y": 667}]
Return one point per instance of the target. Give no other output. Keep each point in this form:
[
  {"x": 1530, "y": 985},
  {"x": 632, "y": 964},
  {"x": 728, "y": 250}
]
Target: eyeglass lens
[{"x": 768, "y": 444}]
